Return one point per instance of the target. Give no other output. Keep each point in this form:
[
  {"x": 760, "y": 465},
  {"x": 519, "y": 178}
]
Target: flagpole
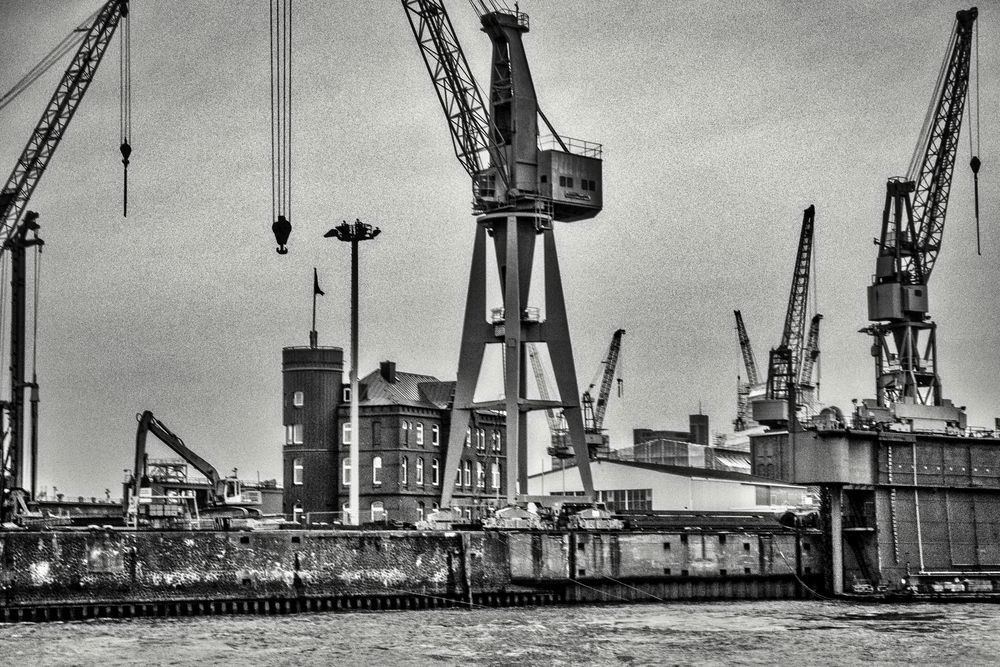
[{"x": 313, "y": 336}]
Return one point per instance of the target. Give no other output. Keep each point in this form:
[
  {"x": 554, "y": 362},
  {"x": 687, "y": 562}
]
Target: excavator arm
[{"x": 148, "y": 423}]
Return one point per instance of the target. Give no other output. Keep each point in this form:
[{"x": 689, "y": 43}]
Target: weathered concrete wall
[{"x": 45, "y": 568}]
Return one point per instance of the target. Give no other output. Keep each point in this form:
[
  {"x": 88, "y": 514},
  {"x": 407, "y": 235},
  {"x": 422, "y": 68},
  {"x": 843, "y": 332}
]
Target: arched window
[
  {"x": 404, "y": 465},
  {"x": 420, "y": 433},
  {"x": 377, "y": 471},
  {"x": 296, "y": 471},
  {"x": 435, "y": 472},
  {"x": 436, "y": 435},
  {"x": 480, "y": 475},
  {"x": 420, "y": 471}
]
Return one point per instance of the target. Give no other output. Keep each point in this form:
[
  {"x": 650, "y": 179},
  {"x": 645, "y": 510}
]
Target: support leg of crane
[
  {"x": 476, "y": 332},
  {"x": 561, "y": 353}
]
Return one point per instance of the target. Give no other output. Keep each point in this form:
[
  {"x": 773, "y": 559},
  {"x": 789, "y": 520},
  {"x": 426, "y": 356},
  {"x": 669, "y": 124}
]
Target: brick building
[{"x": 403, "y": 428}]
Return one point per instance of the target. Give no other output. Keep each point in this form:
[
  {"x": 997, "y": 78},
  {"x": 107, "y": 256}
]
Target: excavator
[{"x": 161, "y": 500}]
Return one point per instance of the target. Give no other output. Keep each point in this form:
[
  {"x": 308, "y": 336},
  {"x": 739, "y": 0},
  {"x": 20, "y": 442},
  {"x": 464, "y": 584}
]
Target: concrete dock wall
[{"x": 110, "y": 572}]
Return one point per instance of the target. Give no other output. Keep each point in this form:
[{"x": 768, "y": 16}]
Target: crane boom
[
  {"x": 543, "y": 387},
  {"x": 811, "y": 352},
  {"x": 610, "y": 365},
  {"x": 748, "y": 359},
  {"x": 56, "y": 117},
  {"x": 472, "y": 133},
  {"x": 939, "y": 144},
  {"x": 786, "y": 359}
]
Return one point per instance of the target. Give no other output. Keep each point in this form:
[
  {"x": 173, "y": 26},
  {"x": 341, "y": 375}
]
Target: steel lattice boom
[
  {"x": 460, "y": 97},
  {"x": 50, "y": 129},
  {"x": 748, "y": 359}
]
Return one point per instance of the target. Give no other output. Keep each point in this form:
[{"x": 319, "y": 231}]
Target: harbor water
[{"x": 753, "y": 632}]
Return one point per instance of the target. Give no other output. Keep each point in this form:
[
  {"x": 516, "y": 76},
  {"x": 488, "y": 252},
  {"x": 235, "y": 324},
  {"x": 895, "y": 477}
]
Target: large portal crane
[
  {"x": 520, "y": 186},
  {"x": 905, "y": 345},
  {"x": 785, "y": 361},
  {"x": 14, "y": 199}
]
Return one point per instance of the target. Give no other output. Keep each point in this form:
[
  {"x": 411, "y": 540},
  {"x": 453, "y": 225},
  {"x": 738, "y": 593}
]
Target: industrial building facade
[{"x": 402, "y": 438}]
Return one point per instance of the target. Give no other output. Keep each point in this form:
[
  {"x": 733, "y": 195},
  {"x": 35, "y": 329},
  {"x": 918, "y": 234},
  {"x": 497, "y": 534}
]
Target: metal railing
[{"x": 574, "y": 146}]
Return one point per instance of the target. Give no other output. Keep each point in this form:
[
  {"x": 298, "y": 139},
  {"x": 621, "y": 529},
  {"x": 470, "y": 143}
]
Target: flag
[{"x": 316, "y": 289}]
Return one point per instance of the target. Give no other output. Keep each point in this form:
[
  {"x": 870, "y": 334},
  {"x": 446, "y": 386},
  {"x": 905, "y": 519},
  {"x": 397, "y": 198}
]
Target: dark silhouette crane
[
  {"x": 14, "y": 197},
  {"x": 905, "y": 340},
  {"x": 785, "y": 361},
  {"x": 520, "y": 186},
  {"x": 743, "y": 389},
  {"x": 593, "y": 411}
]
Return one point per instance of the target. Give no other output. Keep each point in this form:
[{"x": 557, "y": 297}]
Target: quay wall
[{"x": 110, "y": 572}]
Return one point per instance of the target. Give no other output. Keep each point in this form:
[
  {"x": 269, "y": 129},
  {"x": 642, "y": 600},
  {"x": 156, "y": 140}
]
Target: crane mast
[
  {"x": 785, "y": 361},
  {"x": 50, "y": 128},
  {"x": 521, "y": 184},
  {"x": 14, "y": 197},
  {"x": 905, "y": 340}
]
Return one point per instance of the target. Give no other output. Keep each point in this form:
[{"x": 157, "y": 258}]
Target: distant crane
[
  {"x": 744, "y": 389},
  {"x": 557, "y": 431},
  {"x": 905, "y": 340},
  {"x": 593, "y": 411},
  {"x": 14, "y": 198},
  {"x": 785, "y": 361},
  {"x": 520, "y": 185}
]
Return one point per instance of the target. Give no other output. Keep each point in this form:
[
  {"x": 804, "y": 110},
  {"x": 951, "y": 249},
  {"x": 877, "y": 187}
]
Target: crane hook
[
  {"x": 975, "y": 164},
  {"x": 282, "y": 229},
  {"x": 126, "y": 153}
]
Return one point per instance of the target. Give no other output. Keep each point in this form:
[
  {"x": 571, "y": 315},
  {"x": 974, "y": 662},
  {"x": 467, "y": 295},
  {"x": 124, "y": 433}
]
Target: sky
[{"x": 720, "y": 123}]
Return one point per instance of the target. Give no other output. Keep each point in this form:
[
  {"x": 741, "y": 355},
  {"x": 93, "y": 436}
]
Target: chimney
[{"x": 387, "y": 369}]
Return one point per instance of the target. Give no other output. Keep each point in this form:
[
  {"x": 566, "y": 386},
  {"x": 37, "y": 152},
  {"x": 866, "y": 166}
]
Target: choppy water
[{"x": 780, "y": 632}]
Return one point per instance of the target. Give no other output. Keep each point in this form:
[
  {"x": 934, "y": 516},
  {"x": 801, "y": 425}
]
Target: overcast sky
[{"x": 721, "y": 122}]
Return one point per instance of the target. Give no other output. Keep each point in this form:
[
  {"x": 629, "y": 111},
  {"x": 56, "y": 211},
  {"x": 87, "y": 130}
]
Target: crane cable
[
  {"x": 34, "y": 304},
  {"x": 974, "y": 162},
  {"x": 68, "y": 43},
  {"x": 125, "y": 100},
  {"x": 281, "y": 118}
]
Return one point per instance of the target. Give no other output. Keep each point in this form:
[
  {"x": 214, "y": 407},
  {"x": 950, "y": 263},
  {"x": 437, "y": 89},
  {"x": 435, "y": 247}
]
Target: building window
[
  {"x": 480, "y": 439},
  {"x": 435, "y": 507},
  {"x": 420, "y": 434},
  {"x": 377, "y": 471},
  {"x": 468, "y": 437},
  {"x": 435, "y": 435},
  {"x": 378, "y": 511},
  {"x": 495, "y": 474},
  {"x": 404, "y": 466},
  {"x": 297, "y": 434},
  {"x": 345, "y": 475},
  {"x": 569, "y": 181},
  {"x": 346, "y": 394},
  {"x": 298, "y": 399},
  {"x": 496, "y": 440},
  {"x": 376, "y": 433},
  {"x": 404, "y": 432},
  {"x": 562, "y": 181},
  {"x": 346, "y": 436},
  {"x": 435, "y": 472},
  {"x": 545, "y": 178},
  {"x": 420, "y": 472},
  {"x": 420, "y": 510},
  {"x": 288, "y": 434},
  {"x": 296, "y": 471},
  {"x": 467, "y": 473},
  {"x": 458, "y": 475},
  {"x": 480, "y": 475}
]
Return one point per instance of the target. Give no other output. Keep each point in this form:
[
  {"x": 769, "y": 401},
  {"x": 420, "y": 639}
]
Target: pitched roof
[
  {"x": 687, "y": 471},
  {"x": 406, "y": 390}
]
